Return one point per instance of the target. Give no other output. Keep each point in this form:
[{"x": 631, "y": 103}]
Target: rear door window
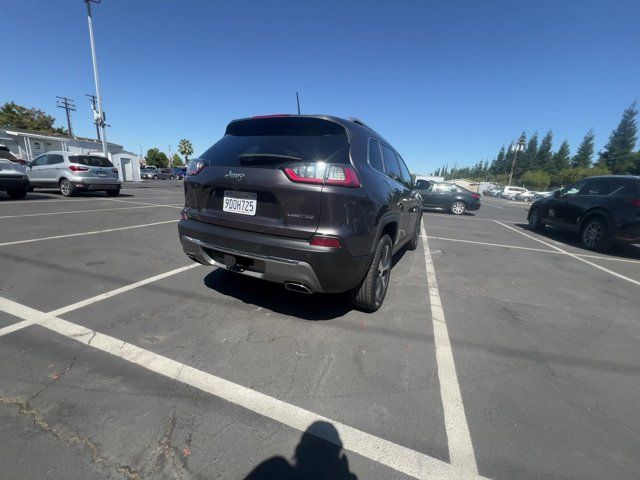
[
  {"x": 375, "y": 156},
  {"x": 270, "y": 142},
  {"x": 53, "y": 159},
  {"x": 602, "y": 186},
  {"x": 406, "y": 175},
  {"x": 90, "y": 160},
  {"x": 391, "y": 167}
]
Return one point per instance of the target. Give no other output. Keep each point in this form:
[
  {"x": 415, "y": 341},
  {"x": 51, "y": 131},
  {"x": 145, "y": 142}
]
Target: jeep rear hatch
[{"x": 267, "y": 174}]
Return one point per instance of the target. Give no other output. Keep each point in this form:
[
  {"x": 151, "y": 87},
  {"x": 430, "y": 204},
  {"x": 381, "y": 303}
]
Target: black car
[
  {"x": 448, "y": 197},
  {"x": 602, "y": 209},
  {"x": 317, "y": 203}
]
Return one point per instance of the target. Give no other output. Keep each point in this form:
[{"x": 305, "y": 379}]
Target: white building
[{"x": 27, "y": 144}]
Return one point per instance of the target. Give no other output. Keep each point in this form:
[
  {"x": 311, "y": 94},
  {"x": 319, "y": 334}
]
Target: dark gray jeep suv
[{"x": 317, "y": 203}]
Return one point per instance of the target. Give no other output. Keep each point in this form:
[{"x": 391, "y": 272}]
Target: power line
[{"x": 68, "y": 106}]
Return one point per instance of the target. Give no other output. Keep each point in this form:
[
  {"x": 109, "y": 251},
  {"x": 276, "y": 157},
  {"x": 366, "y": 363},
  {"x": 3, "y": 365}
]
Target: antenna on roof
[{"x": 298, "y": 102}]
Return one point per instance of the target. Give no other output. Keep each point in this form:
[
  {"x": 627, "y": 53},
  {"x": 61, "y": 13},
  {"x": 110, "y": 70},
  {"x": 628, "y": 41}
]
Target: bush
[{"x": 536, "y": 179}]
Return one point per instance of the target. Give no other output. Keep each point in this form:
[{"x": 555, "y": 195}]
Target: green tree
[
  {"x": 185, "y": 148},
  {"x": 536, "y": 179},
  {"x": 176, "y": 160},
  {"x": 584, "y": 155},
  {"x": 531, "y": 152},
  {"x": 544, "y": 156},
  {"x": 156, "y": 158},
  {"x": 562, "y": 157},
  {"x": 17, "y": 116},
  {"x": 618, "y": 155}
]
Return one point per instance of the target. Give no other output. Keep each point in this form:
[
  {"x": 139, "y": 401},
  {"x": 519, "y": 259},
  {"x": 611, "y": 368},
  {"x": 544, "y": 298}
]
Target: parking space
[{"x": 121, "y": 359}]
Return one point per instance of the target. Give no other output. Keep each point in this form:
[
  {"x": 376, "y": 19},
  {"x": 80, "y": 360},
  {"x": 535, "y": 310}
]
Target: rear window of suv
[
  {"x": 90, "y": 161},
  {"x": 264, "y": 142}
]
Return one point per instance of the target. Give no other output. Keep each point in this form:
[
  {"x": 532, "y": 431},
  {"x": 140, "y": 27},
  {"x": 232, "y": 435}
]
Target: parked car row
[
  {"x": 57, "y": 169},
  {"x": 514, "y": 193},
  {"x": 155, "y": 173}
]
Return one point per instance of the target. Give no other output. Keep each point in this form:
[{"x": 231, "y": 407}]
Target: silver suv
[{"x": 74, "y": 172}]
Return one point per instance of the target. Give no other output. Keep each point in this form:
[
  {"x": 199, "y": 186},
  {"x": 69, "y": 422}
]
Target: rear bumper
[
  {"x": 473, "y": 206},
  {"x": 11, "y": 182},
  {"x": 628, "y": 232},
  {"x": 276, "y": 259}
]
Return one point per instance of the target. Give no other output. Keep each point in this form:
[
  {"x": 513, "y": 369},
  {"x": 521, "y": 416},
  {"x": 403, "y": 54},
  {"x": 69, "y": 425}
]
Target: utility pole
[
  {"x": 68, "y": 106},
  {"x": 96, "y": 117},
  {"x": 515, "y": 148},
  {"x": 298, "y": 102},
  {"x": 101, "y": 116}
]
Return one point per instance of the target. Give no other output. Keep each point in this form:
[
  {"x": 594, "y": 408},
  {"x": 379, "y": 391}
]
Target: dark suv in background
[
  {"x": 447, "y": 197},
  {"x": 317, "y": 203},
  {"x": 601, "y": 209}
]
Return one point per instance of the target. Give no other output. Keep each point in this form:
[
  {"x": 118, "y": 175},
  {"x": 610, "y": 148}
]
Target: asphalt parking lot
[{"x": 498, "y": 353}]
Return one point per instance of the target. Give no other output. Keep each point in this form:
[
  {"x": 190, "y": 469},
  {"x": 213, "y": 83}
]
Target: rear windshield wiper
[{"x": 265, "y": 157}]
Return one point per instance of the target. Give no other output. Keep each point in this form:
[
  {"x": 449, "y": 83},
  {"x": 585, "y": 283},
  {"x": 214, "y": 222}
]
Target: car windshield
[{"x": 90, "y": 160}]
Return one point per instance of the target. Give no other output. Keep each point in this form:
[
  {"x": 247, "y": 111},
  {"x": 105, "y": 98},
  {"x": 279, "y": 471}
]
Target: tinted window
[
  {"x": 41, "y": 160},
  {"x": 275, "y": 141},
  {"x": 375, "y": 156},
  {"x": 406, "y": 175},
  {"x": 602, "y": 186},
  {"x": 52, "y": 159},
  {"x": 391, "y": 167},
  {"x": 443, "y": 188},
  {"x": 6, "y": 154},
  {"x": 628, "y": 189},
  {"x": 90, "y": 161},
  {"x": 575, "y": 189}
]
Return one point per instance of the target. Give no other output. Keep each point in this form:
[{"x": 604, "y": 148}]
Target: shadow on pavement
[
  {"x": 275, "y": 297},
  {"x": 571, "y": 239},
  {"x": 318, "y": 456}
]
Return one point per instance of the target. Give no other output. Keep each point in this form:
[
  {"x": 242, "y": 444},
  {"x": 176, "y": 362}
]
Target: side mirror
[{"x": 557, "y": 193}]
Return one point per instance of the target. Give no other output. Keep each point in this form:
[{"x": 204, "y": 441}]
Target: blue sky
[{"x": 445, "y": 82}]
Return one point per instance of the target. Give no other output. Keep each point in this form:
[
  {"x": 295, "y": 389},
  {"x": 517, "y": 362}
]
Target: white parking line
[
  {"x": 25, "y": 311},
  {"x": 397, "y": 457},
  {"x": 80, "y": 234},
  {"x": 542, "y": 250},
  {"x": 573, "y": 255},
  {"x": 93, "y": 210},
  {"x": 459, "y": 438},
  {"x": 180, "y": 206},
  {"x": 55, "y": 199}
]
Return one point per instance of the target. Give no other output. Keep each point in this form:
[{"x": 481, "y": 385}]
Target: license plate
[{"x": 244, "y": 203}]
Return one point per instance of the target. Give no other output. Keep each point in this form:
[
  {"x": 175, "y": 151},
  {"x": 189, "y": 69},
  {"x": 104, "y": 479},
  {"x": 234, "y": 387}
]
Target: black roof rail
[{"x": 357, "y": 121}]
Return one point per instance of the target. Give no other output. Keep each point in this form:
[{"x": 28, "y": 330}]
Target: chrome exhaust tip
[{"x": 297, "y": 287}]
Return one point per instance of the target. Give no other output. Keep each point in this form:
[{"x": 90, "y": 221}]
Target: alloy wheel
[
  {"x": 384, "y": 270},
  {"x": 592, "y": 234},
  {"x": 457, "y": 208}
]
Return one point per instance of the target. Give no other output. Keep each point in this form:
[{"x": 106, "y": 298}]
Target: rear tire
[
  {"x": 594, "y": 234},
  {"x": 458, "y": 207},
  {"x": 113, "y": 193},
  {"x": 17, "y": 194},
  {"x": 371, "y": 292},
  {"x": 413, "y": 243},
  {"x": 535, "y": 220},
  {"x": 155, "y": 177},
  {"x": 66, "y": 188}
]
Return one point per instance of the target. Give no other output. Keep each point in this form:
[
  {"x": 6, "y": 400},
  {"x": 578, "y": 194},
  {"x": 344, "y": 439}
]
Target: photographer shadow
[{"x": 318, "y": 456}]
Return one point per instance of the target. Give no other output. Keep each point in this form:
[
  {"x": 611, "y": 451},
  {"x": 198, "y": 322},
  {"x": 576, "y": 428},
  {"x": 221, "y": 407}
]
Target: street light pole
[
  {"x": 515, "y": 148},
  {"x": 97, "y": 79}
]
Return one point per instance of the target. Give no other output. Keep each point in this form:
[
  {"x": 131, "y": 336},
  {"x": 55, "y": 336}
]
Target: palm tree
[{"x": 185, "y": 148}]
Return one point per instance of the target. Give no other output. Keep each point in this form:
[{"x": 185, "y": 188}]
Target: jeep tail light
[
  {"x": 78, "y": 168},
  {"x": 322, "y": 173},
  {"x": 324, "y": 241},
  {"x": 635, "y": 202},
  {"x": 195, "y": 167}
]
